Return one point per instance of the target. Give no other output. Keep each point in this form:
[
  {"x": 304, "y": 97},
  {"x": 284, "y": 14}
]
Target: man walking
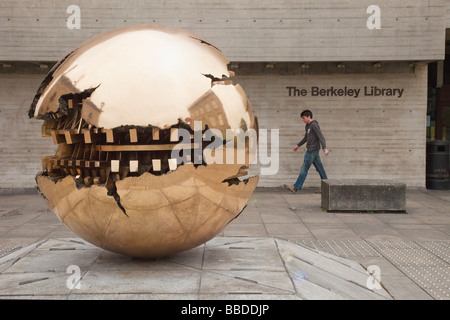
[{"x": 314, "y": 139}]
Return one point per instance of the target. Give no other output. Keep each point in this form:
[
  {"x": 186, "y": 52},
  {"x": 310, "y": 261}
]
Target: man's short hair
[{"x": 306, "y": 113}]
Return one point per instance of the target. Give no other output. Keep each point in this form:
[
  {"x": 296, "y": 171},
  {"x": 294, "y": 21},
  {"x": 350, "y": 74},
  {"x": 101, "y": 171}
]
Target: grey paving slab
[
  {"x": 313, "y": 212},
  {"x": 278, "y": 217},
  {"x": 237, "y": 242},
  {"x": 251, "y": 216},
  {"x": 9, "y": 245},
  {"x": 192, "y": 258},
  {"x": 326, "y": 278},
  {"x": 65, "y": 244},
  {"x": 245, "y": 230},
  {"x": 34, "y": 297},
  {"x": 257, "y": 255},
  {"x": 17, "y": 220},
  {"x": 296, "y": 238},
  {"x": 286, "y": 208},
  {"x": 185, "y": 261},
  {"x": 432, "y": 279},
  {"x": 323, "y": 262},
  {"x": 434, "y": 218},
  {"x": 278, "y": 281},
  {"x": 28, "y": 232},
  {"x": 409, "y": 226},
  {"x": 38, "y": 261},
  {"x": 60, "y": 232},
  {"x": 364, "y": 218},
  {"x": 286, "y": 228},
  {"x": 334, "y": 233},
  {"x": 403, "y": 288},
  {"x": 311, "y": 291},
  {"x": 445, "y": 228},
  {"x": 398, "y": 219},
  {"x": 131, "y": 296},
  {"x": 440, "y": 249},
  {"x": 246, "y": 282},
  {"x": 371, "y": 229},
  {"x": 424, "y": 263},
  {"x": 242, "y": 296},
  {"x": 386, "y": 267},
  {"x": 324, "y": 224},
  {"x": 273, "y": 201},
  {"x": 384, "y": 237},
  {"x": 343, "y": 248},
  {"x": 138, "y": 281},
  {"x": 8, "y": 260},
  {"x": 422, "y": 234},
  {"x": 344, "y": 261},
  {"x": 412, "y": 255},
  {"x": 33, "y": 284},
  {"x": 323, "y": 278},
  {"x": 43, "y": 220}
]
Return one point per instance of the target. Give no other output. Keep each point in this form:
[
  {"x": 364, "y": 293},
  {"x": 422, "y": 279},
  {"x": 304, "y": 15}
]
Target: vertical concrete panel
[
  {"x": 21, "y": 144},
  {"x": 370, "y": 137},
  {"x": 251, "y": 30}
]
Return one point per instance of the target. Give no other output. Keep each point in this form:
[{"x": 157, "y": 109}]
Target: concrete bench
[{"x": 363, "y": 195}]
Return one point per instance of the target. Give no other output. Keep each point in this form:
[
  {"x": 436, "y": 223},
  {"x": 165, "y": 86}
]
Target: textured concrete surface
[
  {"x": 223, "y": 268},
  {"x": 283, "y": 246}
]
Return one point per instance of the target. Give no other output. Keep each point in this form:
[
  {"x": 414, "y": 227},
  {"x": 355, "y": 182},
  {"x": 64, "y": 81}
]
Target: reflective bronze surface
[
  {"x": 142, "y": 75},
  {"x": 114, "y": 107}
]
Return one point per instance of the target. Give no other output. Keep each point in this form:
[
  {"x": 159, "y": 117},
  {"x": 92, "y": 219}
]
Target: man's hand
[
  {"x": 326, "y": 152},
  {"x": 295, "y": 148}
]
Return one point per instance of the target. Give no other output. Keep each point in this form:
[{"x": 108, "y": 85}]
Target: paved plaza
[{"x": 282, "y": 246}]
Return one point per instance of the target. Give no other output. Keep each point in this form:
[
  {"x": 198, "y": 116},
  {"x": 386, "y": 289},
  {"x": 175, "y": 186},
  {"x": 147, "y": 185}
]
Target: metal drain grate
[
  {"x": 342, "y": 248},
  {"x": 426, "y": 263}
]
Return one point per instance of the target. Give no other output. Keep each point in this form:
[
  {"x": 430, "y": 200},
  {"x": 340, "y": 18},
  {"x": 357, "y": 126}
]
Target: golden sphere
[{"x": 133, "y": 112}]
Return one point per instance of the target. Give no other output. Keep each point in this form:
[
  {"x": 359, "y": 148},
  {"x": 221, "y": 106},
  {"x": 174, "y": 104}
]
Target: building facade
[{"x": 372, "y": 72}]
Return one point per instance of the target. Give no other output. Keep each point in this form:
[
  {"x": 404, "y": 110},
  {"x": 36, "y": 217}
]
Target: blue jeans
[{"x": 311, "y": 157}]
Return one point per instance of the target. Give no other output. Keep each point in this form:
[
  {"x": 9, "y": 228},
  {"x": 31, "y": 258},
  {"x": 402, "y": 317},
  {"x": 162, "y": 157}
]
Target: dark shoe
[{"x": 290, "y": 188}]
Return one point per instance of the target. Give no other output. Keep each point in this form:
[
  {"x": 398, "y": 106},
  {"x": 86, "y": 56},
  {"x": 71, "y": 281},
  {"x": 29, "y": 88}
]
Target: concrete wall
[
  {"x": 248, "y": 30},
  {"x": 368, "y": 137},
  {"x": 21, "y": 144},
  {"x": 448, "y": 14}
]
